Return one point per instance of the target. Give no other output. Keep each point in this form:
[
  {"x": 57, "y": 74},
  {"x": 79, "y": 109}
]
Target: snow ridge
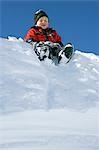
[
  {"x": 47, "y": 107},
  {"x": 31, "y": 84}
]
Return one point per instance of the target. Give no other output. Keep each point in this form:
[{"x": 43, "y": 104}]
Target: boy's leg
[
  {"x": 41, "y": 50},
  {"x": 46, "y": 49},
  {"x": 54, "y": 49}
]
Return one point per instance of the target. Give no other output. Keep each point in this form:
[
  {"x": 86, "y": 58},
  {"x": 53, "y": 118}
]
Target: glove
[{"x": 30, "y": 41}]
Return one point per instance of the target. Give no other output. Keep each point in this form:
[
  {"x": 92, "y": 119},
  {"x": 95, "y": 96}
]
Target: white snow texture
[{"x": 44, "y": 106}]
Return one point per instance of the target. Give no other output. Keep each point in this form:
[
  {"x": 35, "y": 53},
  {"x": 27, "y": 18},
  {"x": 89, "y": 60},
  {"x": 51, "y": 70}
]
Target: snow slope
[{"x": 47, "y": 107}]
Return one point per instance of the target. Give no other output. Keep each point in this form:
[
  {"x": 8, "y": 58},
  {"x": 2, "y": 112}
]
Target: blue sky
[{"x": 75, "y": 21}]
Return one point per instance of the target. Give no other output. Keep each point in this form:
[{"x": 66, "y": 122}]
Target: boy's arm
[
  {"x": 30, "y": 37},
  {"x": 58, "y": 39}
]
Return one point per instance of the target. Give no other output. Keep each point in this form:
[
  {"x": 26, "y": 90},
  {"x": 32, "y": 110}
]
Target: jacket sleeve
[
  {"x": 58, "y": 39},
  {"x": 30, "y": 36}
]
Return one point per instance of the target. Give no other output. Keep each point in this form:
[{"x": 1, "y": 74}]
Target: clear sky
[{"x": 76, "y": 21}]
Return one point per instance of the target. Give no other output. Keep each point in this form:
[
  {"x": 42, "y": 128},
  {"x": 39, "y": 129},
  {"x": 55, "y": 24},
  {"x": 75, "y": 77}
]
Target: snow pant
[{"x": 46, "y": 49}]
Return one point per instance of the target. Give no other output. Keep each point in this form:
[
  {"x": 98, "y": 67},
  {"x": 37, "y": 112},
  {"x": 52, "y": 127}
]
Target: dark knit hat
[{"x": 39, "y": 14}]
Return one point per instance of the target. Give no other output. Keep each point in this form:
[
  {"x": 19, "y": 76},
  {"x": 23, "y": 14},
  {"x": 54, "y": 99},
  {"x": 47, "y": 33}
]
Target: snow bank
[
  {"x": 47, "y": 107},
  {"x": 27, "y": 83}
]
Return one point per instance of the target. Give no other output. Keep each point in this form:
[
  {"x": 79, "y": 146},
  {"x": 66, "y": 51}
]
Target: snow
[{"x": 44, "y": 106}]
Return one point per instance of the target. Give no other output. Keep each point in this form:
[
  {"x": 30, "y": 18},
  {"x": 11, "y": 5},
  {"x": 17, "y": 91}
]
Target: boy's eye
[{"x": 44, "y": 20}]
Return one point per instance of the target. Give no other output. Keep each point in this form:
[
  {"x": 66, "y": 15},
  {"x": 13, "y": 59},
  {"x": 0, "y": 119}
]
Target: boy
[{"x": 46, "y": 41}]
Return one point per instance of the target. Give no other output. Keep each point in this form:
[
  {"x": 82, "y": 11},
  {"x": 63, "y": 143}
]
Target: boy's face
[{"x": 43, "y": 22}]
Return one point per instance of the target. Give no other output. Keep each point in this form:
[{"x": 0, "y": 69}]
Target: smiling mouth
[{"x": 43, "y": 25}]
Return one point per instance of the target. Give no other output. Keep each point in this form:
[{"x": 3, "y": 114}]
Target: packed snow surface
[{"x": 44, "y": 106}]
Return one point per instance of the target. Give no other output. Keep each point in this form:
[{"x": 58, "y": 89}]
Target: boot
[{"x": 68, "y": 50}]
